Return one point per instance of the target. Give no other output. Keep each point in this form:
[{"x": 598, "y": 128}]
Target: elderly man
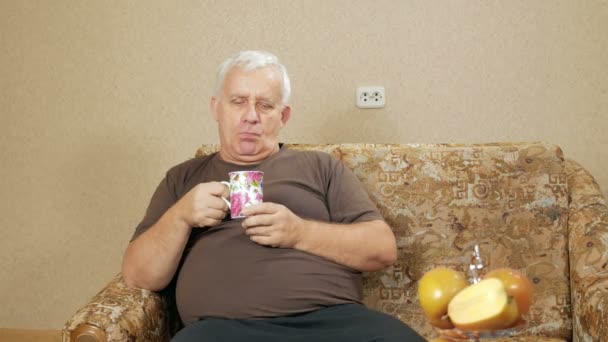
[{"x": 291, "y": 269}]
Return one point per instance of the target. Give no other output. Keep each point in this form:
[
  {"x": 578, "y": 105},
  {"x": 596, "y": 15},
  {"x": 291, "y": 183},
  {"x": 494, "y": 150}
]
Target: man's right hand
[
  {"x": 202, "y": 206},
  {"x": 152, "y": 259}
]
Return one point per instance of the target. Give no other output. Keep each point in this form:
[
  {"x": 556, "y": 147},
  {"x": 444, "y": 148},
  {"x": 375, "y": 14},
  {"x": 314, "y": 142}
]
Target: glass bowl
[
  {"x": 459, "y": 335},
  {"x": 475, "y": 269}
]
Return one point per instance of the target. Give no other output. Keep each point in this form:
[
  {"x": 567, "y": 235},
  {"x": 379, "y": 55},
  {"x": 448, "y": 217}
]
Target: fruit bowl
[{"x": 492, "y": 306}]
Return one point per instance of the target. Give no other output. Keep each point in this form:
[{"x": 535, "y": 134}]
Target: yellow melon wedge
[{"x": 483, "y": 306}]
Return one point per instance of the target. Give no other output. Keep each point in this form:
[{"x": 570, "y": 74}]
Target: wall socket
[{"x": 371, "y": 97}]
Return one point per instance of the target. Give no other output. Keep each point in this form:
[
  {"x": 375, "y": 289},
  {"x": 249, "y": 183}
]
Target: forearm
[
  {"x": 150, "y": 261},
  {"x": 365, "y": 246}
]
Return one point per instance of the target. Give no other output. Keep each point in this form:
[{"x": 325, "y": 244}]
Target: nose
[{"x": 251, "y": 114}]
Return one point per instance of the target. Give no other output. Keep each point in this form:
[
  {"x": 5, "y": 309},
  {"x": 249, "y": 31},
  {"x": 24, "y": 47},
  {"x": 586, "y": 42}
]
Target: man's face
[{"x": 250, "y": 114}]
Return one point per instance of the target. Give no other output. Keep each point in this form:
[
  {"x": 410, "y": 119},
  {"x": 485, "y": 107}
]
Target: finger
[
  {"x": 208, "y": 216},
  {"x": 218, "y": 189},
  {"x": 257, "y": 221},
  {"x": 208, "y": 222},
  {"x": 216, "y": 202},
  {"x": 261, "y": 208},
  {"x": 226, "y": 191},
  {"x": 215, "y": 214},
  {"x": 263, "y": 240},
  {"x": 259, "y": 231}
]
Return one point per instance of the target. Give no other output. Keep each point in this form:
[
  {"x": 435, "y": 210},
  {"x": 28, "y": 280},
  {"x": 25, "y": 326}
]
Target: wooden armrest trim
[{"x": 88, "y": 333}]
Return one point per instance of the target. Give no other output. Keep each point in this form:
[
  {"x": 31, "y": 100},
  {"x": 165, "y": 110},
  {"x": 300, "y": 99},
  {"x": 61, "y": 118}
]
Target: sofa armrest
[
  {"x": 588, "y": 248},
  {"x": 120, "y": 313}
]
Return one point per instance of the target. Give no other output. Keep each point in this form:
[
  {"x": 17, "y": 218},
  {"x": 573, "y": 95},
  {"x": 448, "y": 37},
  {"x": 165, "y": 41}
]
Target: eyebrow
[{"x": 240, "y": 95}]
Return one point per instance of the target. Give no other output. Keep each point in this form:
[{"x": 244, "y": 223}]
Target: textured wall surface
[{"x": 99, "y": 98}]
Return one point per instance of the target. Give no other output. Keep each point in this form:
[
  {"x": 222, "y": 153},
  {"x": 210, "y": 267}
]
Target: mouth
[{"x": 249, "y": 135}]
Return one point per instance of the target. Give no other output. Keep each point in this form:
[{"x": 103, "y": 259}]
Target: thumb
[{"x": 219, "y": 189}]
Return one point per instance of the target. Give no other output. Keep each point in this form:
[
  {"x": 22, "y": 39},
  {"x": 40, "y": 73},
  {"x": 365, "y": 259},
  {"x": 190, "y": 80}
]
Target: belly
[{"x": 227, "y": 275}]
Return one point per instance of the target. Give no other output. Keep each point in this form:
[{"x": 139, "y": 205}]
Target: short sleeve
[
  {"x": 163, "y": 198},
  {"x": 347, "y": 200}
]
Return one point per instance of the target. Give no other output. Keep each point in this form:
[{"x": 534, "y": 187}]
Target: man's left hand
[{"x": 272, "y": 224}]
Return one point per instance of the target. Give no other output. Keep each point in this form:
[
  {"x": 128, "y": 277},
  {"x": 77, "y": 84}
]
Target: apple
[
  {"x": 436, "y": 289},
  {"x": 485, "y": 305},
  {"x": 518, "y": 286}
]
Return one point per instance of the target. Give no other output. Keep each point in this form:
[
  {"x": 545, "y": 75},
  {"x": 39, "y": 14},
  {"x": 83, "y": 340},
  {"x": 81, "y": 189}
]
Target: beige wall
[{"x": 99, "y": 98}]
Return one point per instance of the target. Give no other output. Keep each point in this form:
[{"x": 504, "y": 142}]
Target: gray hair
[{"x": 252, "y": 60}]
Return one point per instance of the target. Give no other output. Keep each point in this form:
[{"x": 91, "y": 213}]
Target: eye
[
  {"x": 237, "y": 101},
  {"x": 265, "y": 106}
]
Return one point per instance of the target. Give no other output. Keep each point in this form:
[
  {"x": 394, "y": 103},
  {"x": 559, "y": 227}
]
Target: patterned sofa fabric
[
  {"x": 523, "y": 204},
  {"x": 121, "y": 313},
  {"x": 588, "y": 250}
]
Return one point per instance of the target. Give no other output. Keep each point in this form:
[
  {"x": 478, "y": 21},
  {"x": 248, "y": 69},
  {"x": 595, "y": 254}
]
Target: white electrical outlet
[{"x": 371, "y": 97}]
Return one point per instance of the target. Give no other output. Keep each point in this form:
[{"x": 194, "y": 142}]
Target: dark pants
[{"x": 348, "y": 323}]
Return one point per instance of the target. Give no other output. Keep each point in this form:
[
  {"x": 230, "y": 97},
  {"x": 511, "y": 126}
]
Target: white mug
[{"x": 246, "y": 188}]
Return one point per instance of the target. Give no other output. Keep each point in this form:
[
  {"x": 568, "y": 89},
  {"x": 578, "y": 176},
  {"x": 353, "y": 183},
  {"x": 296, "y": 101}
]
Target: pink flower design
[
  {"x": 254, "y": 176},
  {"x": 246, "y": 201},
  {"x": 236, "y": 205}
]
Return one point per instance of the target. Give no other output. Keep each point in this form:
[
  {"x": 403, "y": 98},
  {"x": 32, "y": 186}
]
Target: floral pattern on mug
[{"x": 245, "y": 190}]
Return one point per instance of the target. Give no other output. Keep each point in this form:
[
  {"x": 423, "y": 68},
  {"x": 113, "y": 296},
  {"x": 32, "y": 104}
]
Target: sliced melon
[{"x": 483, "y": 306}]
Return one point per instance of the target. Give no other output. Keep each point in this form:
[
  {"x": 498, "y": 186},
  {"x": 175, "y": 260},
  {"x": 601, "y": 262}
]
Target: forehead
[{"x": 261, "y": 82}]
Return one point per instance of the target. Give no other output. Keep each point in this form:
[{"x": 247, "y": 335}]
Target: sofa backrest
[{"x": 441, "y": 200}]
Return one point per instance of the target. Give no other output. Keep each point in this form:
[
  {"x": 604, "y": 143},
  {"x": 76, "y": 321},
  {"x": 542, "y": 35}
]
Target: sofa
[{"x": 523, "y": 204}]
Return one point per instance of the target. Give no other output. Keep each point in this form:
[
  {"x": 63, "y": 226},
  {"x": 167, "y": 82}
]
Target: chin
[{"x": 248, "y": 148}]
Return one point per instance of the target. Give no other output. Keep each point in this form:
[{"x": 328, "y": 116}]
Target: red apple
[
  {"x": 483, "y": 306},
  {"x": 517, "y": 285}
]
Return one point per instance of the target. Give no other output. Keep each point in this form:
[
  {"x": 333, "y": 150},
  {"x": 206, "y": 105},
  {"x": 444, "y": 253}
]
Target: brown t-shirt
[{"x": 225, "y": 274}]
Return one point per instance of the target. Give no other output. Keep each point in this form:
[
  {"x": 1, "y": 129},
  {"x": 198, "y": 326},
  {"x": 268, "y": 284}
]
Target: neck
[{"x": 239, "y": 159}]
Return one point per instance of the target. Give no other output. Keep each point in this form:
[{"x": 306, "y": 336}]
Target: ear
[
  {"x": 285, "y": 115},
  {"x": 213, "y": 106}
]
